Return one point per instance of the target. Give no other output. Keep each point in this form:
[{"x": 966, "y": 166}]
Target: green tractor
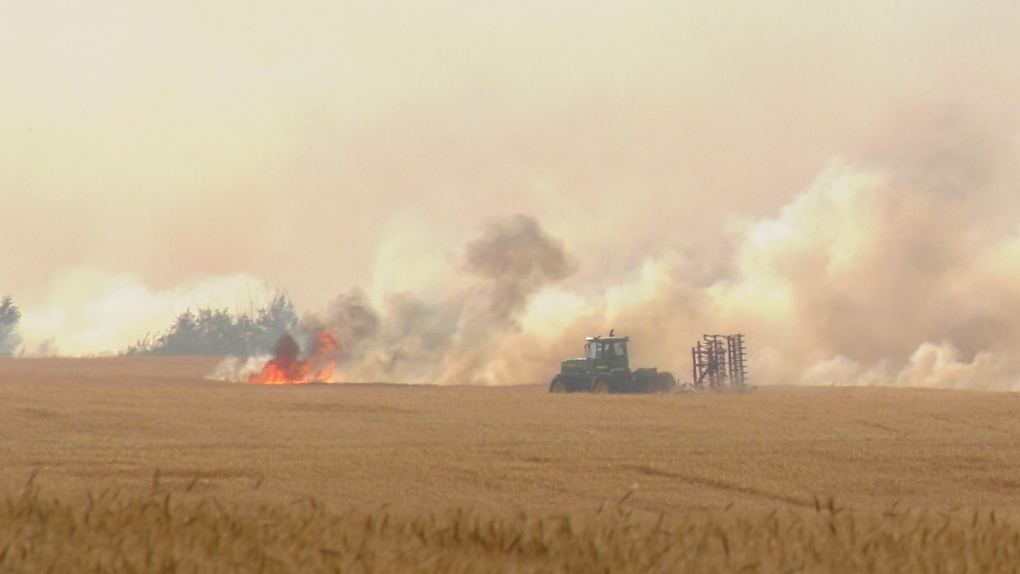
[{"x": 605, "y": 368}]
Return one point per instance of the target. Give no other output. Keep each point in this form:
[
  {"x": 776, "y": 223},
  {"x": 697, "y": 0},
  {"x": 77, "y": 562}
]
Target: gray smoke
[
  {"x": 518, "y": 258},
  {"x": 455, "y": 340}
]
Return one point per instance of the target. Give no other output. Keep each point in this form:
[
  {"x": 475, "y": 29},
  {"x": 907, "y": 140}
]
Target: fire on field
[{"x": 287, "y": 367}]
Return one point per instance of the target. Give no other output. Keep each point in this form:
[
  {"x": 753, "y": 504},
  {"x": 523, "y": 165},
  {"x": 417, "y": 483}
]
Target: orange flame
[{"x": 287, "y": 368}]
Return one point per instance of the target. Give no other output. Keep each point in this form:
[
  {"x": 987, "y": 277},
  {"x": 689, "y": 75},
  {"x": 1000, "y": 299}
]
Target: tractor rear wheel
[
  {"x": 558, "y": 385},
  {"x": 601, "y": 386}
]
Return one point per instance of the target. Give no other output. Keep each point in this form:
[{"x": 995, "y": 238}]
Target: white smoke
[
  {"x": 239, "y": 369},
  {"x": 931, "y": 365},
  {"x": 91, "y": 311},
  {"x": 873, "y": 276}
]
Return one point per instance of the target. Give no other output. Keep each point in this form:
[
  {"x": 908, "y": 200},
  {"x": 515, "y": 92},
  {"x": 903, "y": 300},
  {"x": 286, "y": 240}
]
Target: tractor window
[
  {"x": 589, "y": 350},
  {"x": 621, "y": 349}
]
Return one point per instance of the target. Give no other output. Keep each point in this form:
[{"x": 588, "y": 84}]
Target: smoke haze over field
[{"x": 463, "y": 192}]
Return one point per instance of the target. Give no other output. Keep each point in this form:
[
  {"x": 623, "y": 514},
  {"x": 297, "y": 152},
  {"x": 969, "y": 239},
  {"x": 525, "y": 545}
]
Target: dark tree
[
  {"x": 10, "y": 315},
  {"x": 218, "y": 332}
]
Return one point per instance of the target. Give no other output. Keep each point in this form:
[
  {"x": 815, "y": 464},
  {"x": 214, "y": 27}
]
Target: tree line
[
  {"x": 207, "y": 331},
  {"x": 211, "y": 331}
]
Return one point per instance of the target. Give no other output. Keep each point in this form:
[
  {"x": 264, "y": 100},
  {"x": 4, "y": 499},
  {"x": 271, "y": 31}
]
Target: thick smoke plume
[
  {"x": 898, "y": 273},
  {"x": 456, "y": 340},
  {"x": 518, "y": 259},
  {"x": 884, "y": 271},
  {"x": 896, "y": 269}
]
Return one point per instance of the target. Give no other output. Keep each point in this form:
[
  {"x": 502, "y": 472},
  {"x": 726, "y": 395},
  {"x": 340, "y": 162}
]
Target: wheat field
[{"x": 144, "y": 465}]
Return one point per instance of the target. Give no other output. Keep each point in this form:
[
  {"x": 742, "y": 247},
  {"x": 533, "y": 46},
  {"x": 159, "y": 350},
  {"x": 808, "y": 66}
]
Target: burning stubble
[{"x": 288, "y": 367}]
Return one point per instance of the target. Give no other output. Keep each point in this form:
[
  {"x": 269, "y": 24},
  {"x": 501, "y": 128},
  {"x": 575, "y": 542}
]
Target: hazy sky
[{"x": 159, "y": 154}]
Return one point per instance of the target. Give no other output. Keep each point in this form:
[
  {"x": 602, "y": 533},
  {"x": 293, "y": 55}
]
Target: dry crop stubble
[{"x": 147, "y": 432}]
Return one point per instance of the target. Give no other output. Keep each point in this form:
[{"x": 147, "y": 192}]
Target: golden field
[{"x": 142, "y": 464}]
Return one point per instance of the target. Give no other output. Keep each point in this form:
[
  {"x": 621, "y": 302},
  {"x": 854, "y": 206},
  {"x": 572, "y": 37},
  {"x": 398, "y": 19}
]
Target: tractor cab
[{"x": 607, "y": 353}]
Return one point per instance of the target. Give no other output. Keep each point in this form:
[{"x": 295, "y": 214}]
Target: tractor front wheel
[
  {"x": 558, "y": 386},
  {"x": 600, "y": 387}
]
